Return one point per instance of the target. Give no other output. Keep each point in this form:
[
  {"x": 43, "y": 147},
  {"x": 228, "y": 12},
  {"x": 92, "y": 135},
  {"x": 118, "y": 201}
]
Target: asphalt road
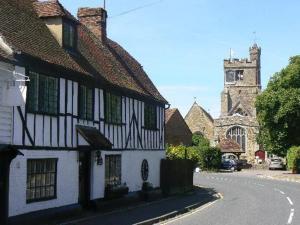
[{"x": 247, "y": 200}]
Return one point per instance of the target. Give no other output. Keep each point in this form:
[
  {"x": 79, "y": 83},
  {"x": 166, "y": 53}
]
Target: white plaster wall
[
  {"x": 67, "y": 181},
  {"x": 131, "y": 170}
]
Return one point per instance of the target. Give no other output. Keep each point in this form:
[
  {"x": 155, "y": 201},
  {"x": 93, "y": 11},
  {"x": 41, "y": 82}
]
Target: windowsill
[
  {"x": 152, "y": 129},
  {"x": 40, "y": 200},
  {"x": 85, "y": 119},
  {"x": 115, "y": 124},
  {"x": 44, "y": 113}
]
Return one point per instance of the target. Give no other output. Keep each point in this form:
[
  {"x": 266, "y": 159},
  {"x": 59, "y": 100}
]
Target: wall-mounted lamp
[{"x": 98, "y": 158}]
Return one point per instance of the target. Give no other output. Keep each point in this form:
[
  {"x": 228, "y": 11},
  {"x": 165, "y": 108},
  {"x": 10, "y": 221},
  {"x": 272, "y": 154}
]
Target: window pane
[
  {"x": 113, "y": 108},
  {"x": 42, "y": 95},
  {"x": 230, "y": 76},
  {"x": 86, "y": 103},
  {"x": 69, "y": 35},
  {"x": 113, "y": 169},
  {"x": 32, "y": 92},
  {"x": 237, "y": 134},
  {"x": 41, "y": 174},
  {"x": 89, "y": 104},
  {"x": 150, "y": 116}
]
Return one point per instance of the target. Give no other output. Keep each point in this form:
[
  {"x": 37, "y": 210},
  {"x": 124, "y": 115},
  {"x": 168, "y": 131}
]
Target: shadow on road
[{"x": 148, "y": 211}]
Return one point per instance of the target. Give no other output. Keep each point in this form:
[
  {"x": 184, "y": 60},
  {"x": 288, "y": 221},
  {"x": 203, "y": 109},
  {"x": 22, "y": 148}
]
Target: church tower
[{"x": 242, "y": 84}]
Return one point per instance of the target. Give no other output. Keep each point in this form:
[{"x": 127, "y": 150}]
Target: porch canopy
[
  {"x": 230, "y": 146},
  {"x": 94, "y": 138}
]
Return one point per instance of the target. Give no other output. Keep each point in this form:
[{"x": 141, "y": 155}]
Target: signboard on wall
[{"x": 13, "y": 93}]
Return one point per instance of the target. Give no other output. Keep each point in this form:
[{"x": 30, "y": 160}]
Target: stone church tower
[{"x": 242, "y": 84}]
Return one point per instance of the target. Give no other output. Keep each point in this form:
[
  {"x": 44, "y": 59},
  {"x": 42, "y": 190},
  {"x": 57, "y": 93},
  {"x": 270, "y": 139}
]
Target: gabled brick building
[
  {"x": 177, "y": 132},
  {"x": 200, "y": 121}
]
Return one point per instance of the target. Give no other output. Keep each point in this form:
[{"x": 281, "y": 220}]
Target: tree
[
  {"x": 278, "y": 110},
  {"x": 200, "y": 140},
  {"x": 292, "y": 156}
]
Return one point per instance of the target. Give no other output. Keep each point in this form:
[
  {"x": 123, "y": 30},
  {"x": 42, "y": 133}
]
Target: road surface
[{"x": 247, "y": 200}]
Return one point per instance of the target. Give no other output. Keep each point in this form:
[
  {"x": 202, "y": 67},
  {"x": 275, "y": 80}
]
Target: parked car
[
  {"x": 231, "y": 162},
  {"x": 276, "y": 163}
]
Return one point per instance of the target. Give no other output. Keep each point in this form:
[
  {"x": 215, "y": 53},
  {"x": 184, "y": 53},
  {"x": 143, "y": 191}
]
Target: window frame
[
  {"x": 67, "y": 45},
  {"x": 54, "y": 185},
  {"x": 238, "y": 75},
  {"x": 111, "y": 160},
  {"x": 80, "y": 114},
  {"x": 111, "y": 118},
  {"x": 147, "y": 122},
  {"x": 240, "y": 134},
  {"x": 37, "y": 106}
]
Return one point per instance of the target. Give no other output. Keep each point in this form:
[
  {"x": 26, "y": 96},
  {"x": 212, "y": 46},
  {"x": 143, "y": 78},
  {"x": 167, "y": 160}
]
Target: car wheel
[{"x": 232, "y": 169}]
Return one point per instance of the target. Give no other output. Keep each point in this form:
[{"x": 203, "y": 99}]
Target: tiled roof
[
  {"x": 136, "y": 70},
  {"x": 27, "y": 33},
  {"x": 23, "y": 29},
  {"x": 51, "y": 8},
  {"x": 229, "y": 146},
  {"x": 169, "y": 113},
  {"x": 195, "y": 108}
]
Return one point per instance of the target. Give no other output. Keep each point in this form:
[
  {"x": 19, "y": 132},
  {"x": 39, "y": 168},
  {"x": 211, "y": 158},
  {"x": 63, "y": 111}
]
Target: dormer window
[{"x": 69, "y": 35}]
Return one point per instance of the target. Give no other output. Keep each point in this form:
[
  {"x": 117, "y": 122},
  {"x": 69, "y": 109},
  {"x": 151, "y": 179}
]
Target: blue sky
[{"x": 182, "y": 44}]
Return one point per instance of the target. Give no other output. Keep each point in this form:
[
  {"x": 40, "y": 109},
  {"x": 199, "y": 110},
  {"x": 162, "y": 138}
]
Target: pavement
[
  {"x": 151, "y": 212},
  {"x": 248, "y": 199},
  {"x": 274, "y": 175}
]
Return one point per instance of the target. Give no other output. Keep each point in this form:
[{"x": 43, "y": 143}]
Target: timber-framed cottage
[{"x": 78, "y": 114}]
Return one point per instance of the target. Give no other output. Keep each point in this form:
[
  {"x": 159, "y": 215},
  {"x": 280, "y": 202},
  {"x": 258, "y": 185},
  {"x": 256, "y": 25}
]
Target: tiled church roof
[
  {"x": 229, "y": 146},
  {"x": 23, "y": 28}
]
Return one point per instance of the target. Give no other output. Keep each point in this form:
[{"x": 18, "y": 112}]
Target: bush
[
  {"x": 183, "y": 152},
  {"x": 210, "y": 158},
  {"x": 292, "y": 156},
  {"x": 200, "y": 140}
]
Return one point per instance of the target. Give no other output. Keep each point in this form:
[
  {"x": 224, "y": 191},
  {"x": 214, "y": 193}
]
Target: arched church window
[{"x": 237, "y": 134}]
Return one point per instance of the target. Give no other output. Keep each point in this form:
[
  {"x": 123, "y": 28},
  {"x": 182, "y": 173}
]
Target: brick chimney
[{"x": 95, "y": 20}]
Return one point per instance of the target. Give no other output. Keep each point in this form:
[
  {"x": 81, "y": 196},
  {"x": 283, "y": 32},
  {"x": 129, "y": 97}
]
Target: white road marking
[
  {"x": 290, "y": 201},
  {"x": 192, "y": 212},
  {"x": 291, "y": 216},
  {"x": 281, "y": 192}
]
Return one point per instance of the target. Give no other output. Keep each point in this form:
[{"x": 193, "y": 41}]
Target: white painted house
[{"x": 77, "y": 113}]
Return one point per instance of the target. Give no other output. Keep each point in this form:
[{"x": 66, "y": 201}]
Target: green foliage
[
  {"x": 210, "y": 158},
  {"x": 292, "y": 156},
  {"x": 182, "y": 152},
  {"x": 278, "y": 110},
  {"x": 200, "y": 140}
]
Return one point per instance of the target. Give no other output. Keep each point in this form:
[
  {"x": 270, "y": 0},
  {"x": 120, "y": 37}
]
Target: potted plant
[
  {"x": 116, "y": 191},
  {"x": 147, "y": 187}
]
